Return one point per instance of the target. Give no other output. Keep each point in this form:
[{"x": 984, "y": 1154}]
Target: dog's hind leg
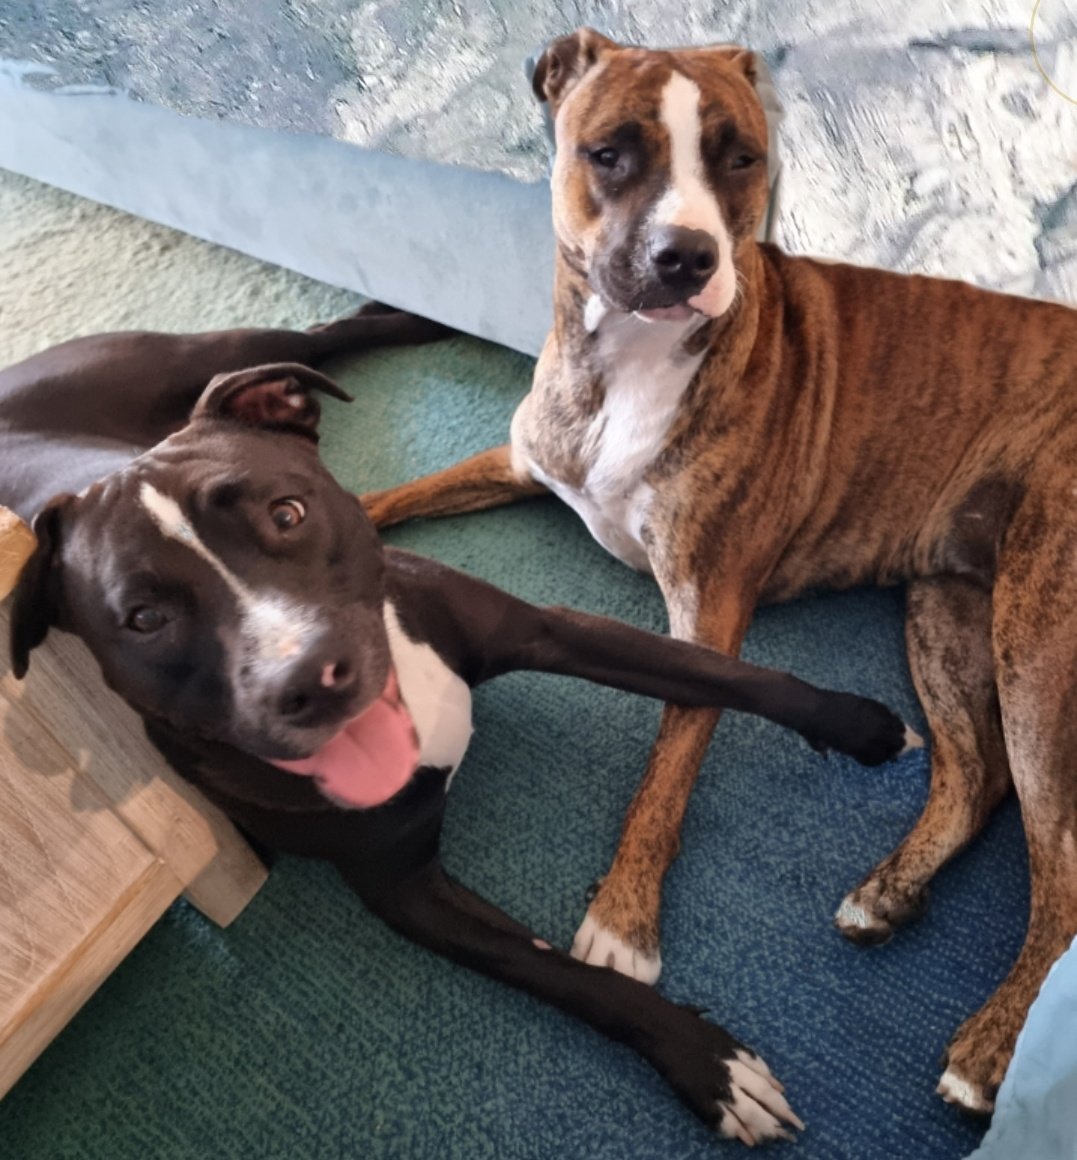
[
  {"x": 948, "y": 634},
  {"x": 149, "y": 381},
  {"x": 727, "y": 1085},
  {"x": 486, "y": 480},
  {"x": 373, "y": 324},
  {"x": 198, "y": 357},
  {"x": 1035, "y": 647}
]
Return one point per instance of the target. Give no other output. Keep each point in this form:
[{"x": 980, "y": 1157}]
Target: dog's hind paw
[
  {"x": 965, "y": 1094},
  {"x": 726, "y": 1084},
  {"x": 869, "y": 915}
]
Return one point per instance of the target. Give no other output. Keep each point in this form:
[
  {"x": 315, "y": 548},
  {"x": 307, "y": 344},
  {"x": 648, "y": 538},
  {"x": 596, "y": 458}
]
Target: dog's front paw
[
  {"x": 864, "y": 729},
  {"x": 620, "y": 929},
  {"x": 725, "y": 1083},
  {"x": 602, "y": 947}
]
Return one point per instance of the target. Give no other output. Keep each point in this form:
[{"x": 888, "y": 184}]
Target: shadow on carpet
[{"x": 309, "y": 1030}]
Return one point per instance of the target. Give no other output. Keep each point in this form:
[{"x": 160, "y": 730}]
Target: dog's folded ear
[
  {"x": 565, "y": 62},
  {"x": 749, "y": 62},
  {"x": 35, "y": 601},
  {"x": 279, "y": 396}
]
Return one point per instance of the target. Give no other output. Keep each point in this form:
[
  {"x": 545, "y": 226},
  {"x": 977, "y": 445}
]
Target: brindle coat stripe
[{"x": 846, "y": 426}]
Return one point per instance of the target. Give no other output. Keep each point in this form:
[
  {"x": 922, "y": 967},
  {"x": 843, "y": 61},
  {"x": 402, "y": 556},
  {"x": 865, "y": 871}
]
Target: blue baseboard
[{"x": 470, "y": 249}]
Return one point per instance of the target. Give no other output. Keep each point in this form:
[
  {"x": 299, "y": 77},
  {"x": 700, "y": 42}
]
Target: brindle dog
[{"x": 748, "y": 426}]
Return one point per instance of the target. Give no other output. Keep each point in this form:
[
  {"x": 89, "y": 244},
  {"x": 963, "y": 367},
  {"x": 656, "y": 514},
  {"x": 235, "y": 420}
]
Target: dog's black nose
[
  {"x": 682, "y": 257},
  {"x": 315, "y": 687}
]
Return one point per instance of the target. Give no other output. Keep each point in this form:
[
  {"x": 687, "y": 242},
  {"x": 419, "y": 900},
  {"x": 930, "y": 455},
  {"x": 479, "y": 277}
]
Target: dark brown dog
[{"x": 747, "y": 426}]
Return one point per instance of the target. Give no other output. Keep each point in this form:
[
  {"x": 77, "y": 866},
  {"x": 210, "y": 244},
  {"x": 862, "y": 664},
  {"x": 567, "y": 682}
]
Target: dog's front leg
[
  {"x": 726, "y": 1084},
  {"x": 621, "y": 928},
  {"x": 691, "y": 675}
]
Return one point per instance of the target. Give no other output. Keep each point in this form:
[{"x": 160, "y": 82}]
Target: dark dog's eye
[
  {"x": 146, "y": 619},
  {"x": 743, "y": 161},
  {"x": 287, "y": 513},
  {"x": 605, "y": 158}
]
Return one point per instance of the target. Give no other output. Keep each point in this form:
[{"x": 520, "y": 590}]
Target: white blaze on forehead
[
  {"x": 688, "y": 200},
  {"x": 275, "y": 628}
]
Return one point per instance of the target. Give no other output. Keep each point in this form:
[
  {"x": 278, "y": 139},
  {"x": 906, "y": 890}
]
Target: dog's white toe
[
  {"x": 851, "y": 913},
  {"x": 853, "y": 919},
  {"x": 599, "y": 947},
  {"x": 913, "y": 740},
  {"x": 756, "y": 1110},
  {"x": 954, "y": 1089}
]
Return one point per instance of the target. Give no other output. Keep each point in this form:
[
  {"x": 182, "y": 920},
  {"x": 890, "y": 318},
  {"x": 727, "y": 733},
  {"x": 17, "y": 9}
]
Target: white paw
[
  {"x": 913, "y": 740},
  {"x": 756, "y": 1110},
  {"x": 851, "y": 913},
  {"x": 955, "y": 1090},
  {"x": 602, "y": 948},
  {"x": 852, "y": 916}
]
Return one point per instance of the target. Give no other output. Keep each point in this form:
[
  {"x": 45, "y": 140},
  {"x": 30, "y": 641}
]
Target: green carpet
[{"x": 308, "y": 1030}]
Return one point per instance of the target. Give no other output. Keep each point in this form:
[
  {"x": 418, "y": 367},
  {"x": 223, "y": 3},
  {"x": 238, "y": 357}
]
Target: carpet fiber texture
[{"x": 309, "y": 1030}]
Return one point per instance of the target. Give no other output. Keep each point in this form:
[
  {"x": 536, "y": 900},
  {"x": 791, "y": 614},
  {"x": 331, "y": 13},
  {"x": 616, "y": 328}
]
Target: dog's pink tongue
[{"x": 371, "y": 759}]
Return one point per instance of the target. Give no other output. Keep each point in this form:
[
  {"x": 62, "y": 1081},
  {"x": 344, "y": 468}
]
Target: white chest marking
[
  {"x": 645, "y": 373},
  {"x": 438, "y": 700},
  {"x": 274, "y": 628}
]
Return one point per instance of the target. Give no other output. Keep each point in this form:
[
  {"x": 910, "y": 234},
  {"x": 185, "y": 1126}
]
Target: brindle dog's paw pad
[
  {"x": 599, "y": 947},
  {"x": 755, "y": 1110}
]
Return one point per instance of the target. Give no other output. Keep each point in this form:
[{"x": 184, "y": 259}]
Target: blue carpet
[{"x": 308, "y": 1031}]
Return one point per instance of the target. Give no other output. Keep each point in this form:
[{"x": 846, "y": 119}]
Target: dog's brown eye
[
  {"x": 287, "y": 513},
  {"x": 146, "y": 619},
  {"x": 605, "y": 158},
  {"x": 743, "y": 161}
]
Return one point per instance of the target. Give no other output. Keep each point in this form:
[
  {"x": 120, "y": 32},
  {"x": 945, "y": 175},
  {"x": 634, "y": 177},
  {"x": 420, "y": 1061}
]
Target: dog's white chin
[{"x": 682, "y": 312}]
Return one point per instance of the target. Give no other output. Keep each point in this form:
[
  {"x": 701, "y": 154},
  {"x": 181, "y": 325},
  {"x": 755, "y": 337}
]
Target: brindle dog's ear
[
  {"x": 747, "y": 61},
  {"x": 565, "y": 61},
  {"x": 34, "y": 604},
  {"x": 278, "y": 395}
]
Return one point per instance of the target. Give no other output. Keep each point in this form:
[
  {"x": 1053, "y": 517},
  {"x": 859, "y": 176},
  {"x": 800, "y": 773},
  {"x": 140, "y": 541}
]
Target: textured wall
[{"x": 920, "y": 135}]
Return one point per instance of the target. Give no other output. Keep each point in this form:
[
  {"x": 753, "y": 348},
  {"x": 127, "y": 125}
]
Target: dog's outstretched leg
[
  {"x": 150, "y": 381},
  {"x": 948, "y": 633},
  {"x": 373, "y": 324},
  {"x": 726, "y": 1084},
  {"x": 1035, "y": 647},
  {"x": 484, "y": 481}
]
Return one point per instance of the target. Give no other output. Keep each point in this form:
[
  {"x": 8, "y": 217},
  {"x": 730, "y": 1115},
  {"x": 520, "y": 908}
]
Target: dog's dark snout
[
  {"x": 293, "y": 703},
  {"x": 683, "y": 257},
  {"x": 314, "y": 687}
]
